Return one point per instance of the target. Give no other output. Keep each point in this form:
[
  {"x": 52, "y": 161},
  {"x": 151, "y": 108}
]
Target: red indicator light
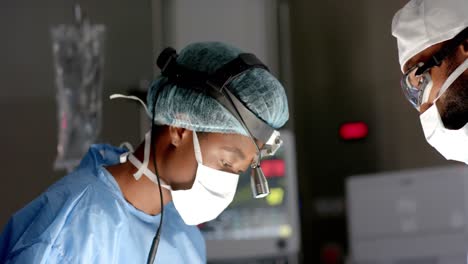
[
  {"x": 354, "y": 130},
  {"x": 273, "y": 168}
]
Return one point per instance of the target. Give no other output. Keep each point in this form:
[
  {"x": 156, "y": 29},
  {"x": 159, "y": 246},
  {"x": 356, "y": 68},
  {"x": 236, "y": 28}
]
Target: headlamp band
[{"x": 216, "y": 86}]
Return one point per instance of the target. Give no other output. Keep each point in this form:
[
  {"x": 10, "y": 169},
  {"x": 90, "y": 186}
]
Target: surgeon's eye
[
  {"x": 226, "y": 164},
  {"x": 228, "y": 167}
]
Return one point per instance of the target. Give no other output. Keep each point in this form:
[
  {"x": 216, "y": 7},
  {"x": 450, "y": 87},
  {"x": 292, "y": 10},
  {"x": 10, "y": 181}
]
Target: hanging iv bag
[{"x": 78, "y": 56}]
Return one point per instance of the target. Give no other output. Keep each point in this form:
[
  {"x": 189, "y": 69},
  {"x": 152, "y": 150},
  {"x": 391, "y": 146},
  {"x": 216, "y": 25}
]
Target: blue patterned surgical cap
[{"x": 182, "y": 107}]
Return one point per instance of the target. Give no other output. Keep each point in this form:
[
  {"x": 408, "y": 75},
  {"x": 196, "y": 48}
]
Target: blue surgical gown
[{"x": 84, "y": 218}]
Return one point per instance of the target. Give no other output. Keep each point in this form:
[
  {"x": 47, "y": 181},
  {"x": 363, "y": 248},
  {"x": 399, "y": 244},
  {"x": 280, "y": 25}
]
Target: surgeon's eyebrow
[{"x": 235, "y": 150}]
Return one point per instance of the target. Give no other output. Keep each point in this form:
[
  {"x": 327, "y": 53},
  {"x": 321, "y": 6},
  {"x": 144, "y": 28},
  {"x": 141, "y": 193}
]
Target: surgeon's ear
[
  {"x": 465, "y": 48},
  {"x": 178, "y": 135}
]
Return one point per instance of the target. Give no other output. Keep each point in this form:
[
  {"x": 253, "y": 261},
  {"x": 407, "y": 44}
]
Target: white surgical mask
[
  {"x": 452, "y": 144},
  {"x": 212, "y": 190}
]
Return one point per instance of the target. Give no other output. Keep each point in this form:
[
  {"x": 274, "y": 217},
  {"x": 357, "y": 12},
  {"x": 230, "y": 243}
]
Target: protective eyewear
[
  {"x": 417, "y": 82},
  {"x": 415, "y": 85}
]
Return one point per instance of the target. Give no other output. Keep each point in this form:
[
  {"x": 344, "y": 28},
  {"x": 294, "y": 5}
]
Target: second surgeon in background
[{"x": 433, "y": 53}]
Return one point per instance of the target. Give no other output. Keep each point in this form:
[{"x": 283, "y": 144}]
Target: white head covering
[{"x": 423, "y": 23}]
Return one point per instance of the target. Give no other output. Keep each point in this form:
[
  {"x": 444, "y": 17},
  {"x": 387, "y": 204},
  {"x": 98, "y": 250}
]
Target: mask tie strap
[
  {"x": 124, "y": 156},
  {"x": 144, "y": 166},
  {"x": 459, "y": 71},
  {"x": 148, "y": 173},
  {"x": 196, "y": 148},
  {"x": 131, "y": 97}
]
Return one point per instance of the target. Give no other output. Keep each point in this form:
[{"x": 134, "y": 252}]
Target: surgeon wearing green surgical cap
[{"x": 109, "y": 209}]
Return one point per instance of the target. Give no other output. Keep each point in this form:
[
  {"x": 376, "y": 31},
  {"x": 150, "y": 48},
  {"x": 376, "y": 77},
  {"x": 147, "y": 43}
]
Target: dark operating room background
[{"x": 345, "y": 68}]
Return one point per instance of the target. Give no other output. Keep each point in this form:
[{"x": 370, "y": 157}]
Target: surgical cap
[
  {"x": 188, "y": 108},
  {"x": 424, "y": 23}
]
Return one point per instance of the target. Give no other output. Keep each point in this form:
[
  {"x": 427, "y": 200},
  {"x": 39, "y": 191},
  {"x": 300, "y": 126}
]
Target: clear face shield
[{"x": 216, "y": 85}]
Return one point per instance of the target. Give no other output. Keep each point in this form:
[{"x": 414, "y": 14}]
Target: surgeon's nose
[{"x": 424, "y": 107}]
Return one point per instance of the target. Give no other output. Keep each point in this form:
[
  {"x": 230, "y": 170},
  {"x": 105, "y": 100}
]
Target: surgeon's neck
[{"x": 143, "y": 194}]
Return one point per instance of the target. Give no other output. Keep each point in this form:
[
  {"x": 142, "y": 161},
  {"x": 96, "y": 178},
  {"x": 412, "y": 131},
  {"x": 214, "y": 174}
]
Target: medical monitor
[{"x": 265, "y": 227}]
